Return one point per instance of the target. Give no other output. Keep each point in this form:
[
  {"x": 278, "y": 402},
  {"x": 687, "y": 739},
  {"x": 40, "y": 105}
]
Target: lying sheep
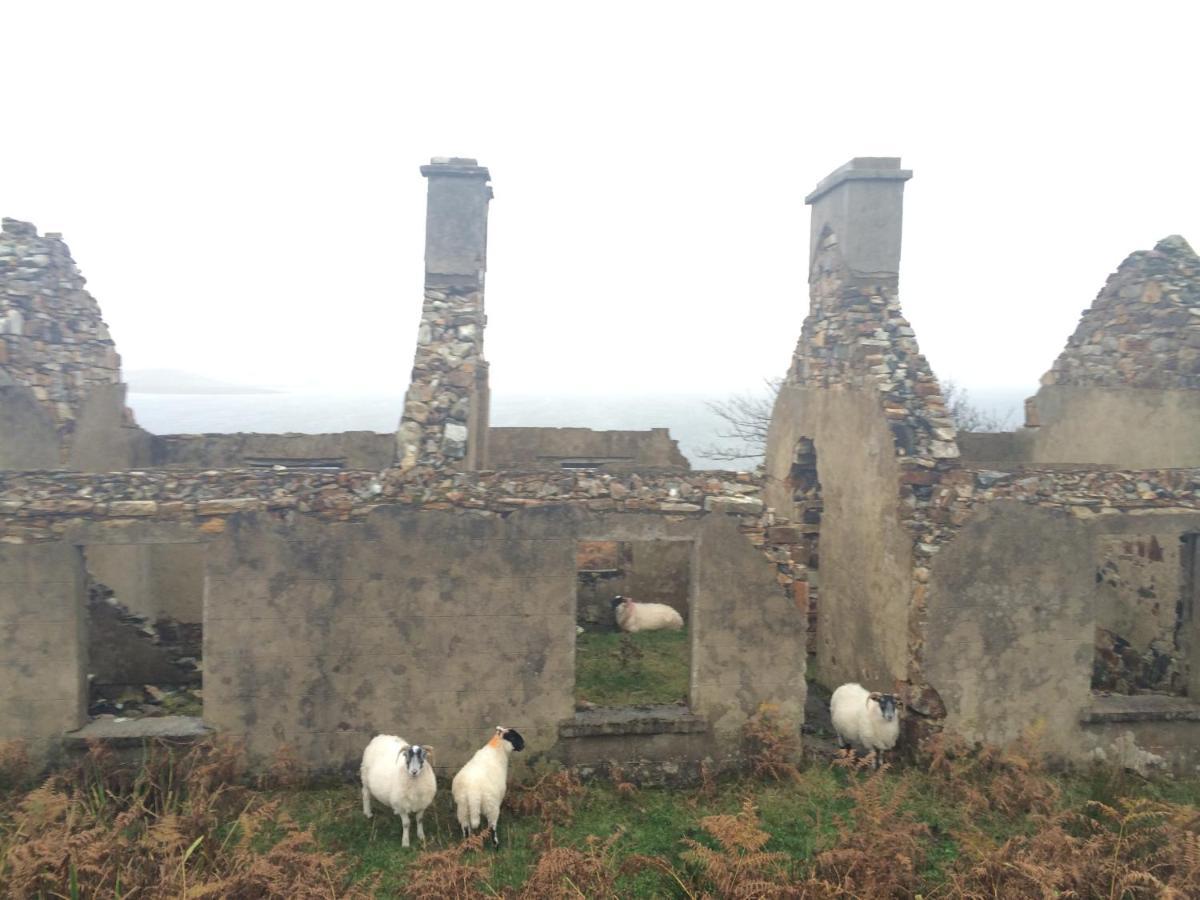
[
  {"x": 869, "y": 719},
  {"x": 480, "y": 785},
  {"x": 398, "y": 774},
  {"x": 633, "y": 616}
]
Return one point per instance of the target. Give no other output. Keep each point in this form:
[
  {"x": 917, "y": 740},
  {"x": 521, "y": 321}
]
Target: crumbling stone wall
[
  {"x": 1124, "y": 391},
  {"x": 860, "y": 398},
  {"x": 53, "y": 341},
  {"x": 1143, "y": 329}
]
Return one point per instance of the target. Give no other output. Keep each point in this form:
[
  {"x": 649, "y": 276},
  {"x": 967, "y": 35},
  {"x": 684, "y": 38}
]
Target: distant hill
[{"x": 174, "y": 381}]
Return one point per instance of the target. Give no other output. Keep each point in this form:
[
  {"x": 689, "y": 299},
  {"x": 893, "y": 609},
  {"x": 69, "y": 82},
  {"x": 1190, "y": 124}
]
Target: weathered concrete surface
[
  {"x": 613, "y": 451},
  {"x": 1129, "y": 427},
  {"x": 748, "y": 638},
  {"x": 862, "y": 202},
  {"x": 1145, "y": 733},
  {"x": 115, "y": 733},
  {"x": 1012, "y": 609},
  {"x": 660, "y": 573},
  {"x": 43, "y": 650},
  {"x": 349, "y": 449},
  {"x": 104, "y": 440},
  {"x": 28, "y": 439},
  {"x": 866, "y": 555},
  {"x": 1009, "y": 640},
  {"x": 158, "y": 581},
  {"x": 439, "y": 626}
]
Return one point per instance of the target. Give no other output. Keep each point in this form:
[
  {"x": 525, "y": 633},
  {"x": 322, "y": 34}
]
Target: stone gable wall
[
  {"x": 52, "y": 337},
  {"x": 1143, "y": 329}
]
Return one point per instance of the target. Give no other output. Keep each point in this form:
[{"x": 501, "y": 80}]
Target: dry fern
[{"x": 770, "y": 747}]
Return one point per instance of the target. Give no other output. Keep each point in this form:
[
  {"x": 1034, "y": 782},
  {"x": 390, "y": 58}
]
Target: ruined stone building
[
  {"x": 1041, "y": 579},
  {"x": 424, "y": 581},
  {"x": 428, "y": 581}
]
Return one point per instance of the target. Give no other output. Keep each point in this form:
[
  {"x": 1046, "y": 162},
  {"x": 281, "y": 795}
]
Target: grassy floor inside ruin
[
  {"x": 613, "y": 669},
  {"x": 963, "y": 826}
]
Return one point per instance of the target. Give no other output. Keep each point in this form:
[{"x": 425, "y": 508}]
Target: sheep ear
[{"x": 875, "y": 695}]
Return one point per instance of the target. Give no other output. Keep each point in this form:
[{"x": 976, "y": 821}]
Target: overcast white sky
[{"x": 239, "y": 181}]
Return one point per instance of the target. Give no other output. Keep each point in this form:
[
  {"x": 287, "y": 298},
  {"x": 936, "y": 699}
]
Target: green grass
[
  {"x": 801, "y": 819},
  {"x": 654, "y": 670}
]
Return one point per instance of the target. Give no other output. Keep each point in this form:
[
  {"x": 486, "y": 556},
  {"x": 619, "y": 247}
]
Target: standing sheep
[
  {"x": 398, "y": 775},
  {"x": 480, "y": 785},
  {"x": 633, "y": 616},
  {"x": 869, "y": 719}
]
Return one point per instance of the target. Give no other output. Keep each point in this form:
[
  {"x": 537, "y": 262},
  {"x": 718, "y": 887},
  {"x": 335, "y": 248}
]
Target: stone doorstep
[
  {"x": 132, "y": 732},
  {"x": 1139, "y": 708},
  {"x": 611, "y": 721}
]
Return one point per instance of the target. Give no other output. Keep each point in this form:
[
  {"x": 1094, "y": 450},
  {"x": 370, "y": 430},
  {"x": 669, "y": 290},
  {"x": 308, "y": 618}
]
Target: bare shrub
[{"x": 551, "y": 798}]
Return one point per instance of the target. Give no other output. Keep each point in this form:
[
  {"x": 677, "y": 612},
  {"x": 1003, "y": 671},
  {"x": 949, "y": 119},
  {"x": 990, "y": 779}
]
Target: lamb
[
  {"x": 869, "y": 719},
  {"x": 480, "y": 785},
  {"x": 633, "y": 616},
  {"x": 399, "y": 775}
]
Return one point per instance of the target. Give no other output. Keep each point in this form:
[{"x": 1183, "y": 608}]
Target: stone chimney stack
[
  {"x": 862, "y": 202},
  {"x": 456, "y": 222},
  {"x": 445, "y": 419}
]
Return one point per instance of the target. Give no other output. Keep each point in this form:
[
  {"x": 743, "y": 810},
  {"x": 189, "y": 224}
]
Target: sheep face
[
  {"x": 512, "y": 736},
  {"x": 617, "y": 601},
  {"x": 887, "y": 705},
  {"x": 415, "y": 758}
]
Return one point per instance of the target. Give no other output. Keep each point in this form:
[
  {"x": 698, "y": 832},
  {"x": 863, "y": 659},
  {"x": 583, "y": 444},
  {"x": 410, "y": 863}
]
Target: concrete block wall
[{"x": 43, "y": 685}]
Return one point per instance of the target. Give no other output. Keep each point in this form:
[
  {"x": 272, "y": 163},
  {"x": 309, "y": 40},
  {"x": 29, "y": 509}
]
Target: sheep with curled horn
[{"x": 870, "y": 719}]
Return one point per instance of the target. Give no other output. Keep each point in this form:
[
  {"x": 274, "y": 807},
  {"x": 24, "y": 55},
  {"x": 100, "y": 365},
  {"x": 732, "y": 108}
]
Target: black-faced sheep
[
  {"x": 867, "y": 718},
  {"x": 398, "y": 774},
  {"x": 480, "y": 785}
]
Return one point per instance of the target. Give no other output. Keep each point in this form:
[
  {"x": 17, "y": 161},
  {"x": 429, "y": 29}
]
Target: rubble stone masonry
[
  {"x": 1143, "y": 329},
  {"x": 52, "y": 338}
]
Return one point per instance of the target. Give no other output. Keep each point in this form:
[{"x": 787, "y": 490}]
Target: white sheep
[
  {"x": 480, "y": 785},
  {"x": 867, "y": 718},
  {"x": 399, "y": 775},
  {"x": 633, "y": 616}
]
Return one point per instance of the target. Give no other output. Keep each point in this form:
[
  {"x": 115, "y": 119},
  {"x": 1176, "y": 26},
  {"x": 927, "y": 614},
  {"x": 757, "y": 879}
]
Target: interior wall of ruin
[
  {"x": 347, "y": 449},
  {"x": 866, "y": 555},
  {"x": 523, "y": 448}
]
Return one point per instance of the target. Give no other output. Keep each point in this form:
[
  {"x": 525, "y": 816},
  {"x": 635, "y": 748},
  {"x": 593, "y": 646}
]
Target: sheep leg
[
  {"x": 366, "y": 801},
  {"x": 421, "y": 826},
  {"x": 494, "y": 824},
  {"x": 404, "y": 824}
]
